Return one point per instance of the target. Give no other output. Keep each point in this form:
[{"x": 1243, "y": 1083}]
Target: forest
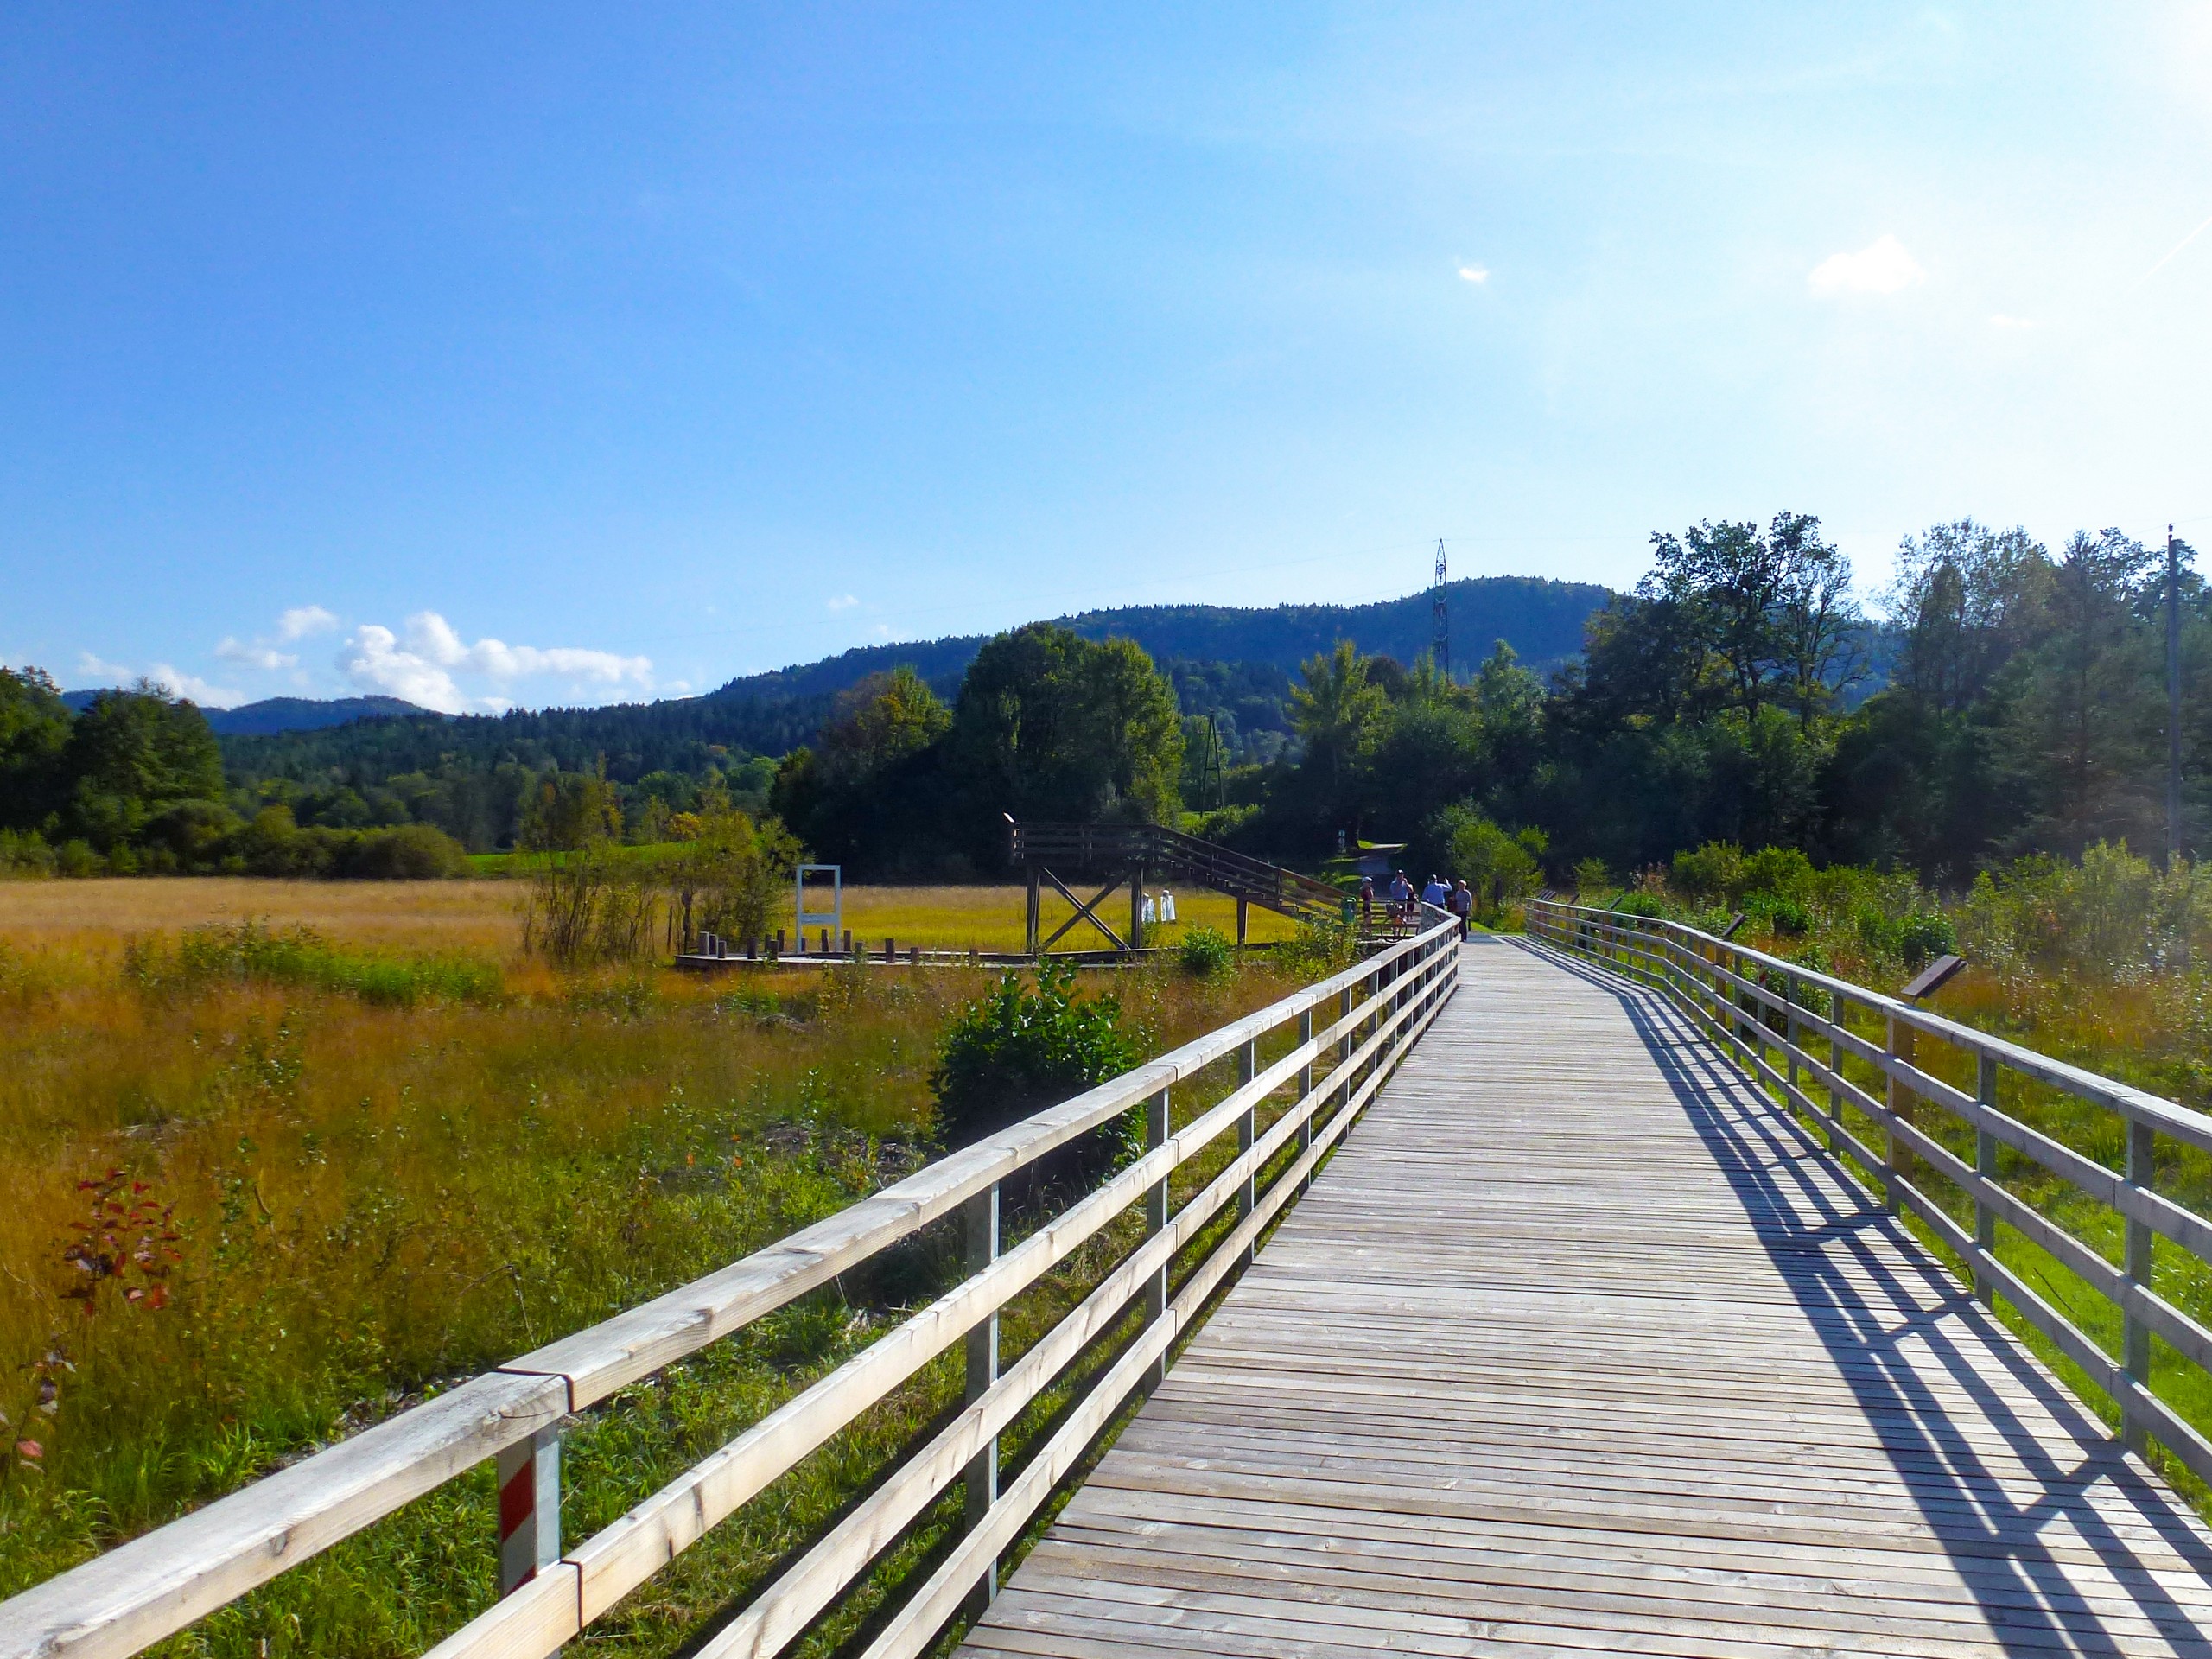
[{"x": 1998, "y": 698}]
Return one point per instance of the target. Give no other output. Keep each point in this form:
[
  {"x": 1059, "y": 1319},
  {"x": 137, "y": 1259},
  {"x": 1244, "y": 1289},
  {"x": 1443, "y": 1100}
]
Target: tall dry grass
[{"x": 350, "y": 1201}]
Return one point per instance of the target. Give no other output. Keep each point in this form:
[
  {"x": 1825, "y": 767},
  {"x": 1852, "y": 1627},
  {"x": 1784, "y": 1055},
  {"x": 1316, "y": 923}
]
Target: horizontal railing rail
[
  {"x": 1792, "y": 1028},
  {"x": 161, "y": 1583}
]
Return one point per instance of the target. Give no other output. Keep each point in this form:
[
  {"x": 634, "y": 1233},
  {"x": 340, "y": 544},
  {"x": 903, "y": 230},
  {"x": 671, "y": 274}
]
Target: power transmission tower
[
  {"x": 2173, "y": 700},
  {"x": 1441, "y": 646}
]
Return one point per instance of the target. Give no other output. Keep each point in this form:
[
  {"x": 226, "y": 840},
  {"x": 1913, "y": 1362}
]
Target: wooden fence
[
  {"x": 1943, "y": 1152},
  {"x": 1351, "y": 1031}
]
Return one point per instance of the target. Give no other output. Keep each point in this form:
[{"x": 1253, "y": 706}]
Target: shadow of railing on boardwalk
[{"x": 1783, "y": 1178}]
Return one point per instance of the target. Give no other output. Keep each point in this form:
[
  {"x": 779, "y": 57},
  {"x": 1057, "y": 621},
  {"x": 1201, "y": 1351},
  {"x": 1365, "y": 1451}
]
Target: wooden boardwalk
[{"x": 1581, "y": 1345}]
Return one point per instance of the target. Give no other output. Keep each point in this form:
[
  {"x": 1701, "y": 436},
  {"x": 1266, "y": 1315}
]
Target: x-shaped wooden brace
[{"x": 1082, "y": 911}]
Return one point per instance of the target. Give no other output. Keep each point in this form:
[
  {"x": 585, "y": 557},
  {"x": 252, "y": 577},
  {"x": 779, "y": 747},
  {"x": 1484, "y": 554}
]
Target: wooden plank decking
[{"x": 1580, "y": 1345}]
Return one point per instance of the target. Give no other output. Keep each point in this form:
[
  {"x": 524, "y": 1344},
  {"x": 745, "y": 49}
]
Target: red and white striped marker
[{"x": 530, "y": 1508}]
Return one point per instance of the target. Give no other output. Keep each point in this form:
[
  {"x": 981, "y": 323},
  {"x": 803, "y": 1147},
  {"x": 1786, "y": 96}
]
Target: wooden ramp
[{"x": 1581, "y": 1345}]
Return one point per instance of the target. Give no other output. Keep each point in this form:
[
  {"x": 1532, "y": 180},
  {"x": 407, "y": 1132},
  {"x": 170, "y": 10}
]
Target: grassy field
[
  {"x": 339, "y": 1174},
  {"x": 485, "y": 918}
]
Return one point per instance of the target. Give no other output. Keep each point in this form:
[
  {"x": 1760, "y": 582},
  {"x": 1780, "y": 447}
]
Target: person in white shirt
[
  {"x": 1147, "y": 910},
  {"x": 1166, "y": 905}
]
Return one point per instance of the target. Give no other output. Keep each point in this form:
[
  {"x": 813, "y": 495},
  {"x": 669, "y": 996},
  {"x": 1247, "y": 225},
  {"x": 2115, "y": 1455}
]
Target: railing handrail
[
  {"x": 1122, "y": 841},
  {"x": 1736, "y": 1006},
  {"x": 2170, "y": 1117},
  {"x": 161, "y": 1582}
]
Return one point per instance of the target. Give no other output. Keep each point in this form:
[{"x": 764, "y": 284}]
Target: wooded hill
[{"x": 1234, "y": 664}]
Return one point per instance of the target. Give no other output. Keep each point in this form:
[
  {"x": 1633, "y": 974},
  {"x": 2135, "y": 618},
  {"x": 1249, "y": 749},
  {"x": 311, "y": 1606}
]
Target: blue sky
[{"x": 497, "y": 355}]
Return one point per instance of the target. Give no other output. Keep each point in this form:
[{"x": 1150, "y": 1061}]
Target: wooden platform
[{"x": 1581, "y": 1346}]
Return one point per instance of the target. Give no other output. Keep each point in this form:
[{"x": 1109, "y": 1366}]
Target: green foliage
[
  {"x": 1497, "y": 867},
  {"x": 1320, "y": 949},
  {"x": 1051, "y": 725},
  {"x": 250, "y": 953},
  {"x": 591, "y": 906},
  {"x": 730, "y": 879},
  {"x": 1592, "y": 879},
  {"x": 1016, "y": 1051},
  {"x": 1205, "y": 953}
]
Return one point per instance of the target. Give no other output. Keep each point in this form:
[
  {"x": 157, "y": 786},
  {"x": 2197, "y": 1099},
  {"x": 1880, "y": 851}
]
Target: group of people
[{"x": 1454, "y": 897}]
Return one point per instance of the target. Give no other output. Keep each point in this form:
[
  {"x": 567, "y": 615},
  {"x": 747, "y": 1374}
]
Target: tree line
[
  {"x": 2006, "y": 698},
  {"x": 2021, "y": 709}
]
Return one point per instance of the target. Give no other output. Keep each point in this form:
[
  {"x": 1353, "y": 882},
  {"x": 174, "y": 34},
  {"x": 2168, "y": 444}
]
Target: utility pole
[
  {"x": 1441, "y": 645},
  {"x": 2173, "y": 700}
]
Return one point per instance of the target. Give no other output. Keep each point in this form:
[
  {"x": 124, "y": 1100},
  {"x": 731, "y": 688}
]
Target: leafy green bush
[
  {"x": 413, "y": 852},
  {"x": 1776, "y": 914},
  {"x": 1017, "y": 1052},
  {"x": 1713, "y": 873},
  {"x": 1205, "y": 952}
]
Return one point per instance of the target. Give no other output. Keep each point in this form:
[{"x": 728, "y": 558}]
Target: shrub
[
  {"x": 1592, "y": 878},
  {"x": 589, "y": 906},
  {"x": 1778, "y": 915},
  {"x": 25, "y": 853},
  {"x": 1016, "y": 1052},
  {"x": 1205, "y": 952},
  {"x": 1322, "y": 948},
  {"x": 413, "y": 852},
  {"x": 1712, "y": 873}
]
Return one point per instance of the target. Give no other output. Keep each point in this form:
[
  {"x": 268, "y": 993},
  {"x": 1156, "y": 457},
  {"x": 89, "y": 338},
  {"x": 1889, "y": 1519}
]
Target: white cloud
[
  {"x": 304, "y": 619},
  {"x": 256, "y": 655},
  {"x": 843, "y": 602},
  {"x": 178, "y": 684},
  {"x": 424, "y": 666},
  {"x": 1882, "y": 266},
  {"x": 172, "y": 680},
  {"x": 1999, "y": 320},
  {"x": 1474, "y": 274}
]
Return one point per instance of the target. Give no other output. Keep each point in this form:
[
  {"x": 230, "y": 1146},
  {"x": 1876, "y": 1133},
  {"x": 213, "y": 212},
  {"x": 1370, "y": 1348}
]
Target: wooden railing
[
  {"x": 1171, "y": 853},
  {"x": 1351, "y": 1031},
  {"x": 1942, "y": 1149}
]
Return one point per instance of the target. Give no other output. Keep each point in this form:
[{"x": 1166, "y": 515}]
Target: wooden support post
[
  {"x": 2135, "y": 1335},
  {"x": 1243, "y": 918},
  {"x": 1248, "y": 1067},
  {"x": 1156, "y": 1131},
  {"x": 529, "y": 1479},
  {"x": 1034, "y": 930},
  {"x": 983, "y": 1477},
  {"x": 1136, "y": 908},
  {"x": 1899, "y": 1172},
  {"x": 1304, "y": 1080},
  {"x": 1985, "y": 1165}
]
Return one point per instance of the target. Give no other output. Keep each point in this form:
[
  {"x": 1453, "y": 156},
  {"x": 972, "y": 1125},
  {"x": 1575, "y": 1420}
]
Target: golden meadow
[{"x": 265, "y": 1187}]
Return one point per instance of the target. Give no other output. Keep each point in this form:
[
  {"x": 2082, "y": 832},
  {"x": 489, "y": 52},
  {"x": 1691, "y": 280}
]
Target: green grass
[{"x": 380, "y": 1186}]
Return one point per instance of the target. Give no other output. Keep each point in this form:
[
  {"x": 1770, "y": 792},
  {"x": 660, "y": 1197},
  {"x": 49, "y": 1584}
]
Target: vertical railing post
[
  {"x": 1790, "y": 1034},
  {"x": 983, "y": 1477},
  {"x": 1305, "y": 1083},
  {"x": 1248, "y": 1067},
  {"x": 1900, "y": 1047},
  {"x": 529, "y": 1477},
  {"x": 1155, "y": 1221},
  {"x": 1838, "y": 1011},
  {"x": 1985, "y": 1165},
  {"x": 2135, "y": 1335}
]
